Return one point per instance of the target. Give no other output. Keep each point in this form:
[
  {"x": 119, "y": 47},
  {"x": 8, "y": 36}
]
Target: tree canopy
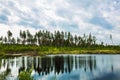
[{"x": 47, "y": 38}]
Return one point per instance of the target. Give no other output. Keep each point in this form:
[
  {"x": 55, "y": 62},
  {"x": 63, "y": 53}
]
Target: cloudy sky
[{"x": 99, "y": 17}]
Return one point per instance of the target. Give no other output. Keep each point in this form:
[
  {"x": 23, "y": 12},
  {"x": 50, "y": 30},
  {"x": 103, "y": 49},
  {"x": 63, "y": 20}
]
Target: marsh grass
[{"x": 44, "y": 50}]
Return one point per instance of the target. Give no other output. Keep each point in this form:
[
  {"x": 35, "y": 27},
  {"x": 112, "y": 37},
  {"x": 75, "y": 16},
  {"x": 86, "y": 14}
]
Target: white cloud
[
  {"x": 66, "y": 15},
  {"x": 15, "y": 29}
]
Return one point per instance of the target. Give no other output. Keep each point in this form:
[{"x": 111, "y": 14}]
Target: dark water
[{"x": 63, "y": 67}]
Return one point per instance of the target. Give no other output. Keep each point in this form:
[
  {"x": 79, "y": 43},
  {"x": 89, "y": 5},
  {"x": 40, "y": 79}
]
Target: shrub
[{"x": 25, "y": 76}]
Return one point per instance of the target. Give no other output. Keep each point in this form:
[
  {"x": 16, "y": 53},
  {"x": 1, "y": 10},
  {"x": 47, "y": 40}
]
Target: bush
[{"x": 25, "y": 76}]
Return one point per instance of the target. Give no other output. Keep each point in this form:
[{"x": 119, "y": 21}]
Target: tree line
[{"x": 47, "y": 38}]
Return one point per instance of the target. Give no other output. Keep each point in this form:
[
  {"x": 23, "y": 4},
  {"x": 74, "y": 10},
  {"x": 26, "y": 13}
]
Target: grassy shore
[{"x": 45, "y": 50}]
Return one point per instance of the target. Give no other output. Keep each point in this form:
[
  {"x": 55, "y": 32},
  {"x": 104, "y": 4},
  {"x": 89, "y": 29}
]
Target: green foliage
[
  {"x": 2, "y": 76},
  {"x": 46, "y": 38},
  {"x": 25, "y": 76},
  {"x": 45, "y": 42},
  {"x": 43, "y": 50}
]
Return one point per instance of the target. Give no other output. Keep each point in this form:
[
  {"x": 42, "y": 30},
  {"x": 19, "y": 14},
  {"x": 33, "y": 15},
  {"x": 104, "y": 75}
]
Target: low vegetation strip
[{"x": 33, "y": 50}]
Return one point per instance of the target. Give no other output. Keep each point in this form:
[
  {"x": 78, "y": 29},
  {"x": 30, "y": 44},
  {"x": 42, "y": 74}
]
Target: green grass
[{"x": 44, "y": 50}]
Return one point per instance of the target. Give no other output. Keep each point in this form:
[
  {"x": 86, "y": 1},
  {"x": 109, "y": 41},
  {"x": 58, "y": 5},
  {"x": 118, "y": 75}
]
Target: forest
[
  {"x": 46, "y": 38},
  {"x": 57, "y": 42}
]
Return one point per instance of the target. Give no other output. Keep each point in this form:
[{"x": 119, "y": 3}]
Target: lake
[{"x": 63, "y": 67}]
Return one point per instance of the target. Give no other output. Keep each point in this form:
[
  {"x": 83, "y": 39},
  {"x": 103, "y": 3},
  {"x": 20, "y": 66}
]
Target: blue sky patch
[
  {"x": 3, "y": 19},
  {"x": 100, "y": 21}
]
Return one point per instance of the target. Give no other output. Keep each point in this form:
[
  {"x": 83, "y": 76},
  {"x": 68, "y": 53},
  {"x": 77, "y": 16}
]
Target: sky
[{"x": 99, "y": 17}]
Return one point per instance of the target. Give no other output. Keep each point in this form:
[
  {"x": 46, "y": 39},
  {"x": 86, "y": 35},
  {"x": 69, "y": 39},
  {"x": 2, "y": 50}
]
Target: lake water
[{"x": 63, "y": 67}]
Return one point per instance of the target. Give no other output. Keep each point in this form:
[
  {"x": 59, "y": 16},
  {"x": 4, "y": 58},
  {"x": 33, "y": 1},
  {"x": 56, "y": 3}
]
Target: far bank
[{"x": 34, "y": 50}]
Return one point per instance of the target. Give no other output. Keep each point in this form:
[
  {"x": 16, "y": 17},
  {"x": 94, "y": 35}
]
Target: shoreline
[
  {"x": 34, "y": 53},
  {"x": 32, "y": 50}
]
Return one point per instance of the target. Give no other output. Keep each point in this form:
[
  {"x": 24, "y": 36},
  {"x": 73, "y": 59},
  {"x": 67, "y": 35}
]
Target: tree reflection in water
[{"x": 67, "y": 67}]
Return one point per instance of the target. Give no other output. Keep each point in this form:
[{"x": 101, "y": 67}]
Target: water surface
[{"x": 63, "y": 67}]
